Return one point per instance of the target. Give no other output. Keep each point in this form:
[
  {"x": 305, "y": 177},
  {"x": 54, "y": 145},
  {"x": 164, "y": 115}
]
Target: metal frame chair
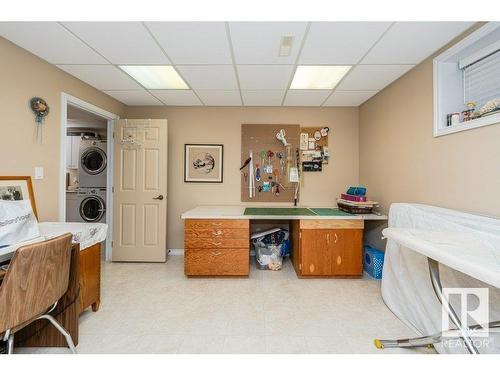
[{"x": 38, "y": 276}]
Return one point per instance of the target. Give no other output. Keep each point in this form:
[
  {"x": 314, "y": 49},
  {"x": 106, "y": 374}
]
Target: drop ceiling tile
[
  {"x": 348, "y": 98},
  {"x": 134, "y": 97},
  {"x": 193, "y": 42},
  {"x": 262, "y": 97},
  {"x": 340, "y": 43},
  {"x": 220, "y": 97},
  {"x": 259, "y": 42},
  {"x": 51, "y": 42},
  {"x": 177, "y": 97},
  {"x": 264, "y": 77},
  {"x": 412, "y": 42},
  {"x": 102, "y": 77},
  {"x": 209, "y": 77},
  {"x": 120, "y": 42},
  {"x": 372, "y": 77},
  {"x": 306, "y": 98}
]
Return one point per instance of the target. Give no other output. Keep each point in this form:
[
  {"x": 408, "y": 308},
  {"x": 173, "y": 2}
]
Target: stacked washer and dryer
[{"x": 88, "y": 204}]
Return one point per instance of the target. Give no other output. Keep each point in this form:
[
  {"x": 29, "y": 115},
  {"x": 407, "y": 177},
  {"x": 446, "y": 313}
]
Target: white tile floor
[{"x": 153, "y": 308}]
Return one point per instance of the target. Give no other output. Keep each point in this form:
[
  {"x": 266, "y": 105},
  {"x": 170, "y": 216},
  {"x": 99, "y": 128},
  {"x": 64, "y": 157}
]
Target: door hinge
[
  {"x": 111, "y": 243},
  {"x": 113, "y": 189},
  {"x": 113, "y": 135},
  {"x": 300, "y": 234},
  {"x": 300, "y": 266}
]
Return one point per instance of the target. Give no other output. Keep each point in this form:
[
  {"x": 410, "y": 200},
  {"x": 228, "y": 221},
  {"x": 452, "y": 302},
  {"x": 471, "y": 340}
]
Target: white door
[{"x": 140, "y": 191}]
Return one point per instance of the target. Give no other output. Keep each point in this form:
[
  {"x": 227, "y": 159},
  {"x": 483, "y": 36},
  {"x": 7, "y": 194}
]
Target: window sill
[{"x": 468, "y": 125}]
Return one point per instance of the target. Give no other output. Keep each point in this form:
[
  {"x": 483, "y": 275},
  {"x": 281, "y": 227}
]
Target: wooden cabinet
[
  {"x": 328, "y": 248},
  {"x": 216, "y": 247},
  {"x": 90, "y": 277}
]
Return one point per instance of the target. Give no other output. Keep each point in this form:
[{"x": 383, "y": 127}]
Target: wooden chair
[{"x": 37, "y": 278}]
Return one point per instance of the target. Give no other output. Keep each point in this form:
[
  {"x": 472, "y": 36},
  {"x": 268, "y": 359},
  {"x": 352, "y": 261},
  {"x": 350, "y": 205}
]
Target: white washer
[
  {"x": 92, "y": 205},
  {"x": 92, "y": 163}
]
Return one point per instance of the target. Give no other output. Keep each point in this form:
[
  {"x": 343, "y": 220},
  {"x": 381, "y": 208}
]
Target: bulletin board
[
  {"x": 262, "y": 137},
  {"x": 319, "y": 145}
]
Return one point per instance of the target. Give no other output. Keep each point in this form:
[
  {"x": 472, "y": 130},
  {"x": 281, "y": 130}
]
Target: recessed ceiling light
[
  {"x": 321, "y": 77},
  {"x": 159, "y": 77}
]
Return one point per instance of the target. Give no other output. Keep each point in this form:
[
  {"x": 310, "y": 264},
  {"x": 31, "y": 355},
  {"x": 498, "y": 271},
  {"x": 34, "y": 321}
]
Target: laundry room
[{"x": 86, "y": 166}]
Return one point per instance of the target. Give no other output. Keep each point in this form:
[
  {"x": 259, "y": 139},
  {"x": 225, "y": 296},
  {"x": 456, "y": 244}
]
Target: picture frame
[
  {"x": 203, "y": 163},
  {"x": 18, "y": 188}
]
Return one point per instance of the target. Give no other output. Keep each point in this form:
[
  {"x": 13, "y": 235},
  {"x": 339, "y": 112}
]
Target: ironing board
[{"x": 464, "y": 252}]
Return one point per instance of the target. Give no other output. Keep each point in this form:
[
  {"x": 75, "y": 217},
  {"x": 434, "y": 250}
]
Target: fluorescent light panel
[
  {"x": 321, "y": 77},
  {"x": 156, "y": 77}
]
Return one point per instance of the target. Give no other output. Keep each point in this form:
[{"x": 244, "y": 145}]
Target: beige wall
[
  {"x": 22, "y": 76},
  {"x": 401, "y": 161},
  {"x": 223, "y": 125}
]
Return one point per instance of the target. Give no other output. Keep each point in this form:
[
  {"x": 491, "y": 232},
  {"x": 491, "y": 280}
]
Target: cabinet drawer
[
  {"x": 218, "y": 243},
  {"x": 209, "y": 224},
  {"x": 216, "y": 233},
  {"x": 216, "y": 262},
  {"x": 332, "y": 224}
]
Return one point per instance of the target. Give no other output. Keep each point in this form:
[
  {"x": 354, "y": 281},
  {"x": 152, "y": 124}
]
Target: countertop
[{"x": 237, "y": 212}]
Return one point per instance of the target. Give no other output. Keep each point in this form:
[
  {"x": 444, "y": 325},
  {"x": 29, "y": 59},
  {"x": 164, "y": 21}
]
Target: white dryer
[
  {"x": 92, "y": 163},
  {"x": 92, "y": 205}
]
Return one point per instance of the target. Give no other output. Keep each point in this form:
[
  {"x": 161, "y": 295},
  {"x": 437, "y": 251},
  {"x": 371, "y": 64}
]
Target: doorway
[{"x": 86, "y": 168}]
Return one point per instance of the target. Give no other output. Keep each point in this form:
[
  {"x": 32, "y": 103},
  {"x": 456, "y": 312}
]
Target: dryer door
[
  {"x": 93, "y": 160},
  {"x": 92, "y": 209}
]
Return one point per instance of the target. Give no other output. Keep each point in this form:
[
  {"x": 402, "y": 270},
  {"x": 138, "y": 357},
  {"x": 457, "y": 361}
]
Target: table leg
[
  {"x": 438, "y": 337},
  {"x": 438, "y": 289}
]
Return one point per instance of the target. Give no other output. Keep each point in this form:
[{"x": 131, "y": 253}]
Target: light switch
[{"x": 38, "y": 173}]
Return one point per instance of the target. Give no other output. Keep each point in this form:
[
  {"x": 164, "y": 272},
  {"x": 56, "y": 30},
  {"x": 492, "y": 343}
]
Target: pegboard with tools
[
  {"x": 314, "y": 152},
  {"x": 272, "y": 173}
]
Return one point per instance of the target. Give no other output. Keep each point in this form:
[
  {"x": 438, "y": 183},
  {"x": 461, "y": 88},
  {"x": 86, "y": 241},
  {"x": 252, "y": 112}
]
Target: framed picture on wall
[
  {"x": 16, "y": 188},
  {"x": 203, "y": 163}
]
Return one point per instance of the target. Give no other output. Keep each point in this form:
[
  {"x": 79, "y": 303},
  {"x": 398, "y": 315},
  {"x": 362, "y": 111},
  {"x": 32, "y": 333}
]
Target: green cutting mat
[
  {"x": 278, "y": 211},
  {"x": 329, "y": 212}
]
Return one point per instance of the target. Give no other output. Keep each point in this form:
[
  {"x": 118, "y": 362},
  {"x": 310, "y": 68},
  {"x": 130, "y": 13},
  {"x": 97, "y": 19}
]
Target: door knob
[{"x": 159, "y": 197}]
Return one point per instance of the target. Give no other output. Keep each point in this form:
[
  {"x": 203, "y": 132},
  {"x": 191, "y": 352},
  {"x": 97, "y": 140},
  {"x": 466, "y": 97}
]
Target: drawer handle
[
  {"x": 328, "y": 238},
  {"x": 217, "y": 233},
  {"x": 216, "y": 243},
  {"x": 216, "y": 253},
  {"x": 216, "y": 224}
]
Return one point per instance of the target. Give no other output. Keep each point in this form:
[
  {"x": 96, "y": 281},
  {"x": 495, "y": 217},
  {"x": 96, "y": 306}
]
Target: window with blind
[
  {"x": 468, "y": 71},
  {"x": 482, "y": 79}
]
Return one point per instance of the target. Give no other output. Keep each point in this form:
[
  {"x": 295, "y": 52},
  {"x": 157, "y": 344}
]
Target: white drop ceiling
[{"x": 234, "y": 63}]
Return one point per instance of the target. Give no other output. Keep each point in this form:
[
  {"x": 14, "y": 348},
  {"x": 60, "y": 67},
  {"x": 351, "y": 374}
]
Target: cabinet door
[
  {"x": 75, "y": 150},
  {"x": 316, "y": 259},
  {"x": 346, "y": 251},
  {"x": 69, "y": 154}
]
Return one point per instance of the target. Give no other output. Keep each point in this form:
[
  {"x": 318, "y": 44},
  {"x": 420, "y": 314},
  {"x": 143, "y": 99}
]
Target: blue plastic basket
[{"x": 373, "y": 262}]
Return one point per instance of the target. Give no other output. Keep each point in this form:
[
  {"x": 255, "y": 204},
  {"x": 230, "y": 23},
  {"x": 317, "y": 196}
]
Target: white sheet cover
[
  {"x": 406, "y": 286},
  {"x": 86, "y": 234}
]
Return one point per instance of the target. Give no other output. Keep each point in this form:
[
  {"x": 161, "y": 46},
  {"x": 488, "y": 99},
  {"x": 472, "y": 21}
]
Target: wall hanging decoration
[
  {"x": 203, "y": 163},
  {"x": 41, "y": 109},
  {"x": 134, "y": 133}
]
